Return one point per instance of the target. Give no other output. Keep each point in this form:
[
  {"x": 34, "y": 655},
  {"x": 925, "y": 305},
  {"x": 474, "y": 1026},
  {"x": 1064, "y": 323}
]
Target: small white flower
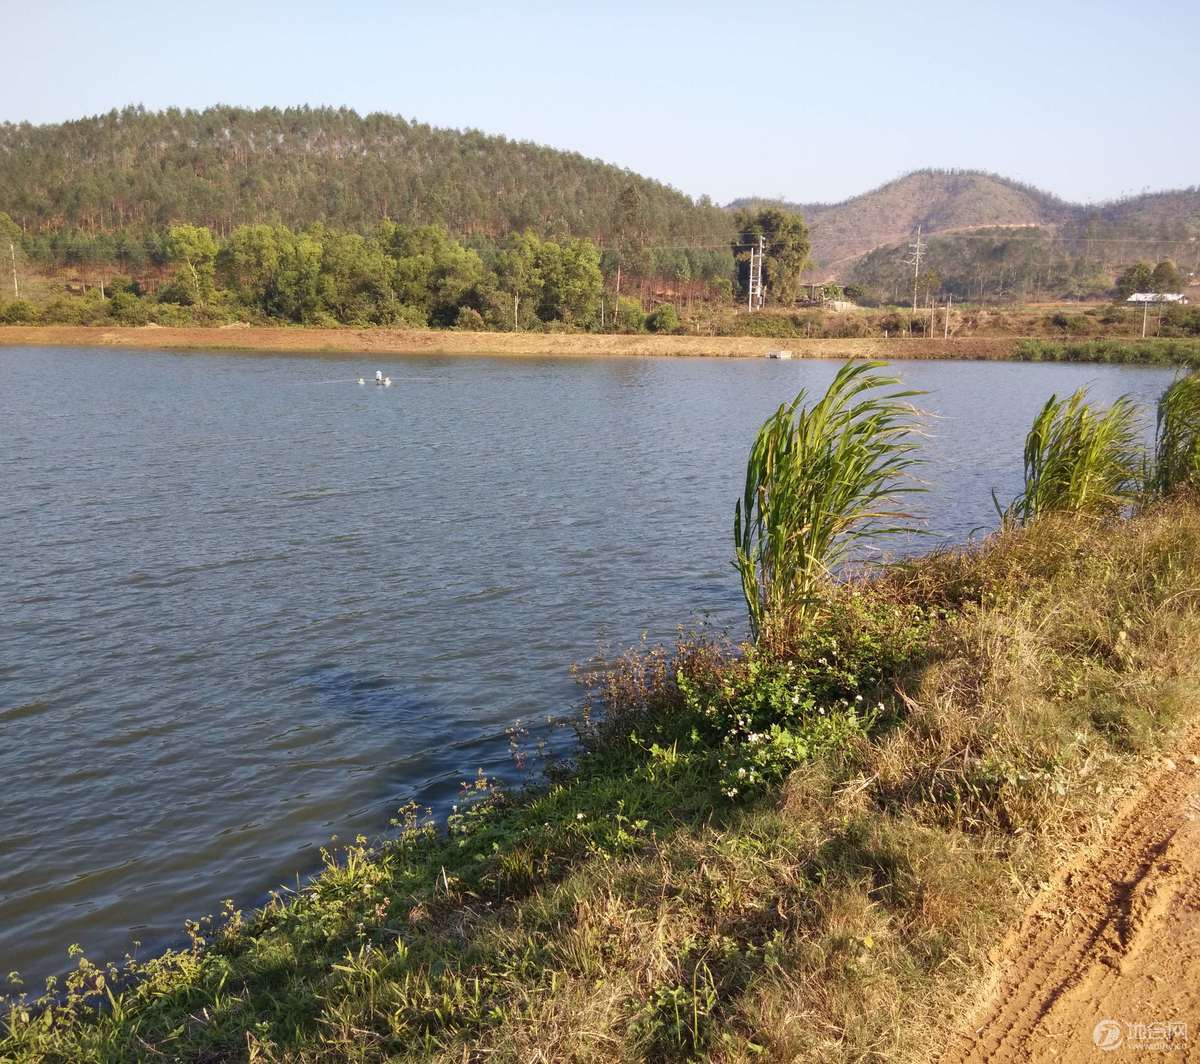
[{"x": 578, "y": 816}]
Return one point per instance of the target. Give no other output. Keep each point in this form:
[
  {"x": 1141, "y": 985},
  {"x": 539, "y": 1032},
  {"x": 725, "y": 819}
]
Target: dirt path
[
  {"x": 326, "y": 342},
  {"x": 1106, "y": 964}
]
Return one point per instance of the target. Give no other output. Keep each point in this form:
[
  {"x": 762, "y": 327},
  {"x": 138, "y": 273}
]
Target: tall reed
[
  {"x": 818, "y": 478},
  {"x": 1177, "y": 442},
  {"x": 1080, "y": 459}
]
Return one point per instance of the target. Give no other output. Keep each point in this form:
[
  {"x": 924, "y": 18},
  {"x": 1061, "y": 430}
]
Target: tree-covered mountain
[
  {"x": 138, "y": 170},
  {"x": 944, "y": 202}
]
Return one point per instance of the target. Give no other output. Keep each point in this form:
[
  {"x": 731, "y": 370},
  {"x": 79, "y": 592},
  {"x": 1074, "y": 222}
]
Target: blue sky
[{"x": 1091, "y": 100}]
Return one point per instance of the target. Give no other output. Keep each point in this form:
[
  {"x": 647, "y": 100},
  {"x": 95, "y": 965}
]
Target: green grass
[
  {"x": 990, "y": 704},
  {"x": 1150, "y": 352}
]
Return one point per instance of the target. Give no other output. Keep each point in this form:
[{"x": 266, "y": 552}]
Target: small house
[{"x": 1157, "y": 297}]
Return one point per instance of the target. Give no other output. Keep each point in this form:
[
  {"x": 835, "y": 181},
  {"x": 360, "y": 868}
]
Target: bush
[
  {"x": 663, "y": 319},
  {"x": 19, "y": 312},
  {"x": 470, "y": 319},
  {"x": 630, "y": 316}
]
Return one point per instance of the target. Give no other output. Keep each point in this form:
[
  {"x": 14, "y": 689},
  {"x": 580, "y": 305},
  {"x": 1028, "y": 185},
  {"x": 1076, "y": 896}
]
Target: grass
[
  {"x": 992, "y": 701},
  {"x": 1149, "y": 352},
  {"x": 819, "y": 478}
]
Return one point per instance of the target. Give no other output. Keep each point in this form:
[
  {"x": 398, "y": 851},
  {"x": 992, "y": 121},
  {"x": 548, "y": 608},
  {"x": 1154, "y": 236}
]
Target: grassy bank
[
  {"x": 703, "y": 882},
  {"x": 1149, "y": 352}
]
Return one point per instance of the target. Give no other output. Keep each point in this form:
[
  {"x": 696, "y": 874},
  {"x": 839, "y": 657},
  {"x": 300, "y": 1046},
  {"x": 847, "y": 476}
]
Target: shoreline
[{"x": 294, "y": 341}]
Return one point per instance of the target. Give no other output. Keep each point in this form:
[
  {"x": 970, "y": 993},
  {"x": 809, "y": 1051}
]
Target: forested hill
[{"x": 225, "y": 166}]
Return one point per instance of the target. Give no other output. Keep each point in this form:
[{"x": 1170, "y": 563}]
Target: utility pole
[
  {"x": 914, "y": 260},
  {"x": 754, "y": 289},
  {"x": 949, "y": 304},
  {"x": 1145, "y": 315},
  {"x": 12, "y": 251}
]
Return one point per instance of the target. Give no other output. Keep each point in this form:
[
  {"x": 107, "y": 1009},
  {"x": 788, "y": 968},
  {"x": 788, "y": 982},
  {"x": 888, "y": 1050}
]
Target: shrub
[
  {"x": 663, "y": 319},
  {"x": 630, "y": 316},
  {"x": 470, "y": 319},
  {"x": 18, "y": 312}
]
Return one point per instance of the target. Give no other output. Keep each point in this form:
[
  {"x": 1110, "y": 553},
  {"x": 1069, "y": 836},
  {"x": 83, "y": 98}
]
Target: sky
[{"x": 804, "y": 101}]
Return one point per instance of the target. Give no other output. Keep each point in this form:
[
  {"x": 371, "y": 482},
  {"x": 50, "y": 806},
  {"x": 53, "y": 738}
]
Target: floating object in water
[
  {"x": 779, "y": 354},
  {"x": 379, "y": 376},
  {"x": 361, "y": 381},
  {"x": 387, "y": 382}
]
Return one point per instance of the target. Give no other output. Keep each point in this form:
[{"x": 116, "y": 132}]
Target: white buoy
[
  {"x": 361, "y": 381},
  {"x": 387, "y": 382},
  {"x": 379, "y": 376}
]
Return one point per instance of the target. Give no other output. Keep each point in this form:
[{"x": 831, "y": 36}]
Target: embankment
[{"x": 351, "y": 342}]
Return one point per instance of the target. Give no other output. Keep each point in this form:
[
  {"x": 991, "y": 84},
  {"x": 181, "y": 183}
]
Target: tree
[
  {"x": 1137, "y": 278},
  {"x": 517, "y": 270},
  {"x": 787, "y": 247},
  {"x": 1165, "y": 277},
  {"x": 194, "y": 250},
  {"x": 571, "y": 281},
  {"x": 10, "y": 236}
]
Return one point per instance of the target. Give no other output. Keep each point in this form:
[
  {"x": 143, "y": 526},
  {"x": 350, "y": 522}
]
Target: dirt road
[{"x": 1106, "y": 964}]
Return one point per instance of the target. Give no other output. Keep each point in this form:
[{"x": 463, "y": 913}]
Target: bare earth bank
[
  {"x": 1108, "y": 959},
  {"x": 293, "y": 341}
]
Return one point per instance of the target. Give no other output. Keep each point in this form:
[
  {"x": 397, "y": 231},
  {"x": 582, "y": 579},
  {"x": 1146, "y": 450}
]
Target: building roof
[{"x": 1157, "y": 297}]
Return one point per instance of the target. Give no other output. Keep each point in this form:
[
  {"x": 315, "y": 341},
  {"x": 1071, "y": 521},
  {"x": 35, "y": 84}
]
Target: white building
[{"x": 1157, "y": 297}]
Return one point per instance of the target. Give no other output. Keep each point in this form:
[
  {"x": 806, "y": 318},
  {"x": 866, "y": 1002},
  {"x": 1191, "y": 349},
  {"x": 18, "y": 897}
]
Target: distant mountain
[
  {"x": 141, "y": 170},
  {"x": 950, "y": 201}
]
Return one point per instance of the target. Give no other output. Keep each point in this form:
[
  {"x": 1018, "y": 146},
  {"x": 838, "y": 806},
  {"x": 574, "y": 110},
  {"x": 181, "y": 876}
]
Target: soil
[
  {"x": 298, "y": 341},
  {"x": 1106, "y": 963}
]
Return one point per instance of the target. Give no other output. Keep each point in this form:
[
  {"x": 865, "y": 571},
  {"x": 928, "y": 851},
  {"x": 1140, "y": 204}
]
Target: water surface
[{"x": 246, "y": 604}]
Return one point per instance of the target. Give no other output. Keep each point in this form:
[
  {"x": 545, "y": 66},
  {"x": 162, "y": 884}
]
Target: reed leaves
[
  {"x": 1177, "y": 440},
  {"x": 1080, "y": 459},
  {"x": 819, "y": 477}
]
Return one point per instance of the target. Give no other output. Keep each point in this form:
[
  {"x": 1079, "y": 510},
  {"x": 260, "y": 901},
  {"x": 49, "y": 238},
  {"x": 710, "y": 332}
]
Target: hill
[
  {"x": 948, "y": 202},
  {"x": 141, "y": 170}
]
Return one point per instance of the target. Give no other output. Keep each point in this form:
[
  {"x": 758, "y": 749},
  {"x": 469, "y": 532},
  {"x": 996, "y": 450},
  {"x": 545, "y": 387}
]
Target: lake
[{"x": 247, "y": 604}]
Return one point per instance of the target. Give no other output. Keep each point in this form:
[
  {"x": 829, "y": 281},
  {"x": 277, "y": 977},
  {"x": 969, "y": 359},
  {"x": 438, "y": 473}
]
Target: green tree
[
  {"x": 1137, "y": 278},
  {"x": 787, "y": 247},
  {"x": 1165, "y": 277},
  {"x": 194, "y": 250},
  {"x": 10, "y": 241},
  {"x": 517, "y": 270},
  {"x": 571, "y": 281}
]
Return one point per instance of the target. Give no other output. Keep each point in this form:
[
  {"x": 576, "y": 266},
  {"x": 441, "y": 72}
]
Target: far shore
[{"x": 273, "y": 340}]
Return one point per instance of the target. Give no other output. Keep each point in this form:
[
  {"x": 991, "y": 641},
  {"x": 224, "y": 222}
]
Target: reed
[
  {"x": 1079, "y": 459},
  {"x": 1177, "y": 439},
  {"x": 820, "y": 477}
]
